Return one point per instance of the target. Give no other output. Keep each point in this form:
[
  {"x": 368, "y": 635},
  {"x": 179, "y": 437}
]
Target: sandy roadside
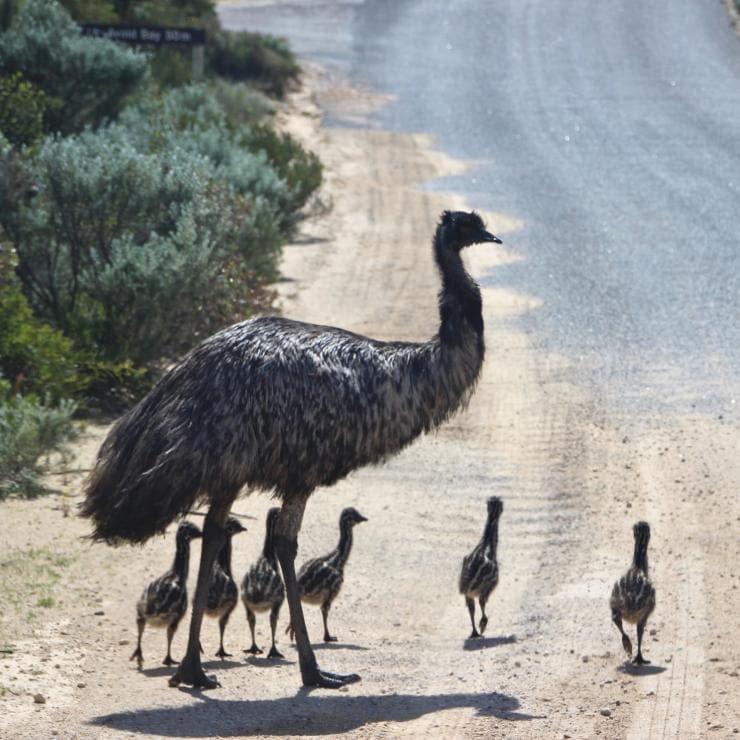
[{"x": 573, "y": 481}]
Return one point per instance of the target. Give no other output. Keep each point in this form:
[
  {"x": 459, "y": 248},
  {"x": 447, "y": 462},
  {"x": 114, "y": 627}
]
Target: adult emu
[{"x": 283, "y": 406}]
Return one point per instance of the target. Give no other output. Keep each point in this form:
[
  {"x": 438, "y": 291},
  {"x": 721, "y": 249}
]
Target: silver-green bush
[{"x": 90, "y": 78}]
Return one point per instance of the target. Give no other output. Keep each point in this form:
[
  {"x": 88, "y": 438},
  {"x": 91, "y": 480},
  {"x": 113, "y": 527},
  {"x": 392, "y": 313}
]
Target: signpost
[{"x": 157, "y": 35}]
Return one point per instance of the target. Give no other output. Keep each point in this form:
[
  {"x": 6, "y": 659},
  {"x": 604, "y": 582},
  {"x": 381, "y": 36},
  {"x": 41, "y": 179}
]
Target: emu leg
[
  {"x": 471, "y": 610},
  {"x": 286, "y": 545},
  {"x": 252, "y": 620},
  {"x": 325, "y": 614},
  {"x": 626, "y": 644},
  {"x": 171, "y": 628},
  {"x": 274, "y": 612},
  {"x": 190, "y": 670},
  {"x": 221, "y": 627},
  {"x": 140, "y": 623},
  {"x": 484, "y": 619},
  {"x": 639, "y": 660}
]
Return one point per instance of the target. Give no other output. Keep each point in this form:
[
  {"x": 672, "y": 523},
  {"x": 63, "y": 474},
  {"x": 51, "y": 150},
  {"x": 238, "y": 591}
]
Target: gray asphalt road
[{"x": 612, "y": 130}]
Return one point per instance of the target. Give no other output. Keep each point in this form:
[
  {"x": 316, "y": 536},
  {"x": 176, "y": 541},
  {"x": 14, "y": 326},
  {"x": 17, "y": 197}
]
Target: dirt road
[{"x": 573, "y": 482}]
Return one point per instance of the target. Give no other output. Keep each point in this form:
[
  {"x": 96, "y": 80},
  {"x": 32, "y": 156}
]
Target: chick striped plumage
[
  {"x": 321, "y": 579},
  {"x": 223, "y": 593},
  {"x": 633, "y": 595},
  {"x": 164, "y": 601},
  {"x": 262, "y": 587},
  {"x": 479, "y": 573}
]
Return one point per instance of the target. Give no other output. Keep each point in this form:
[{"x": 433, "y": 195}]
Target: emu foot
[
  {"x": 254, "y": 650},
  {"x": 190, "y": 672},
  {"x": 639, "y": 660},
  {"x": 221, "y": 653},
  {"x": 325, "y": 680},
  {"x": 170, "y": 661},
  {"x": 139, "y": 657},
  {"x": 274, "y": 653},
  {"x": 483, "y": 624},
  {"x": 329, "y": 638},
  {"x": 474, "y": 634}
]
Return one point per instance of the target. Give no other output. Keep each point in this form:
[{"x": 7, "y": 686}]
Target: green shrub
[
  {"x": 154, "y": 231},
  {"x": 241, "y": 103},
  {"x": 121, "y": 245},
  {"x": 91, "y": 77},
  {"x": 300, "y": 169},
  {"x": 29, "y": 430},
  {"x": 22, "y": 110},
  {"x": 265, "y": 61}
]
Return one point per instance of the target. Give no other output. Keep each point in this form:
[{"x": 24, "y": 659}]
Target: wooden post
[{"x": 197, "y": 63}]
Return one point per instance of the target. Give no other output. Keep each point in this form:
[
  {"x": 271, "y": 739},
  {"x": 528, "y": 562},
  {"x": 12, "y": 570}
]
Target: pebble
[
  {"x": 39, "y": 698},
  {"x": 81, "y": 685},
  {"x": 605, "y": 712},
  {"x": 124, "y": 642},
  {"x": 585, "y": 658},
  {"x": 99, "y": 613}
]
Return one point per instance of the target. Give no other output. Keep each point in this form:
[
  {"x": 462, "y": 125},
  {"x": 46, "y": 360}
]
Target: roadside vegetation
[{"x": 139, "y": 211}]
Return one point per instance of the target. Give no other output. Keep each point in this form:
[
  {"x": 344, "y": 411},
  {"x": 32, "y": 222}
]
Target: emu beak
[
  {"x": 486, "y": 236},
  {"x": 363, "y": 518}
]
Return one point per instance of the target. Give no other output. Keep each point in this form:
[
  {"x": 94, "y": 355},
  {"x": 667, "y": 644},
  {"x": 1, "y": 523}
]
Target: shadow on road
[
  {"x": 481, "y": 643},
  {"x": 640, "y": 670},
  {"x": 307, "y": 713},
  {"x": 337, "y": 646}
]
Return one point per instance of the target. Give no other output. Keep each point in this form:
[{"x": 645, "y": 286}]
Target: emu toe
[
  {"x": 169, "y": 660},
  {"x": 191, "y": 673},
  {"x": 254, "y": 650},
  {"x": 639, "y": 660},
  {"x": 325, "y": 680},
  {"x": 274, "y": 653},
  {"x": 139, "y": 657},
  {"x": 329, "y": 638},
  {"x": 221, "y": 653}
]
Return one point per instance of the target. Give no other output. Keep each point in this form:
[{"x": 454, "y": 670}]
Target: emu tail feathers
[{"x": 140, "y": 483}]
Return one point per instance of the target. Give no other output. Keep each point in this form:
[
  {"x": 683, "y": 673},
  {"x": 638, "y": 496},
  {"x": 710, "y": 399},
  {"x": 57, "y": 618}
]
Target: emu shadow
[
  {"x": 481, "y": 643},
  {"x": 304, "y": 714},
  {"x": 337, "y": 646},
  {"x": 259, "y": 661},
  {"x": 640, "y": 670},
  {"x": 165, "y": 670},
  {"x": 307, "y": 240}
]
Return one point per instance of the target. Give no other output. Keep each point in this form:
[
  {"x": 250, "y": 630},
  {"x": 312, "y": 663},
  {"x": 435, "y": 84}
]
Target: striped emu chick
[
  {"x": 222, "y": 592},
  {"x": 165, "y": 600},
  {"x": 633, "y": 596},
  {"x": 321, "y": 579},
  {"x": 262, "y": 587},
  {"x": 479, "y": 575},
  {"x": 282, "y": 406}
]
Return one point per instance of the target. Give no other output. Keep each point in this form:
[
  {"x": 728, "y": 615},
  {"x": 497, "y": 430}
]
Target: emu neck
[
  {"x": 224, "y": 557},
  {"x": 640, "y": 558},
  {"x": 182, "y": 559},
  {"x": 268, "y": 549},
  {"x": 459, "y": 300},
  {"x": 345, "y": 545},
  {"x": 490, "y": 535}
]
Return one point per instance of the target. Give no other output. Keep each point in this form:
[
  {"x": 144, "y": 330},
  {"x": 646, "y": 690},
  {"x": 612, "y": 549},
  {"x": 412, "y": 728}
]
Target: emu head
[
  {"x": 234, "y": 526},
  {"x": 350, "y": 516},
  {"x": 495, "y": 506},
  {"x": 460, "y": 229},
  {"x": 642, "y": 533},
  {"x": 188, "y": 531}
]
